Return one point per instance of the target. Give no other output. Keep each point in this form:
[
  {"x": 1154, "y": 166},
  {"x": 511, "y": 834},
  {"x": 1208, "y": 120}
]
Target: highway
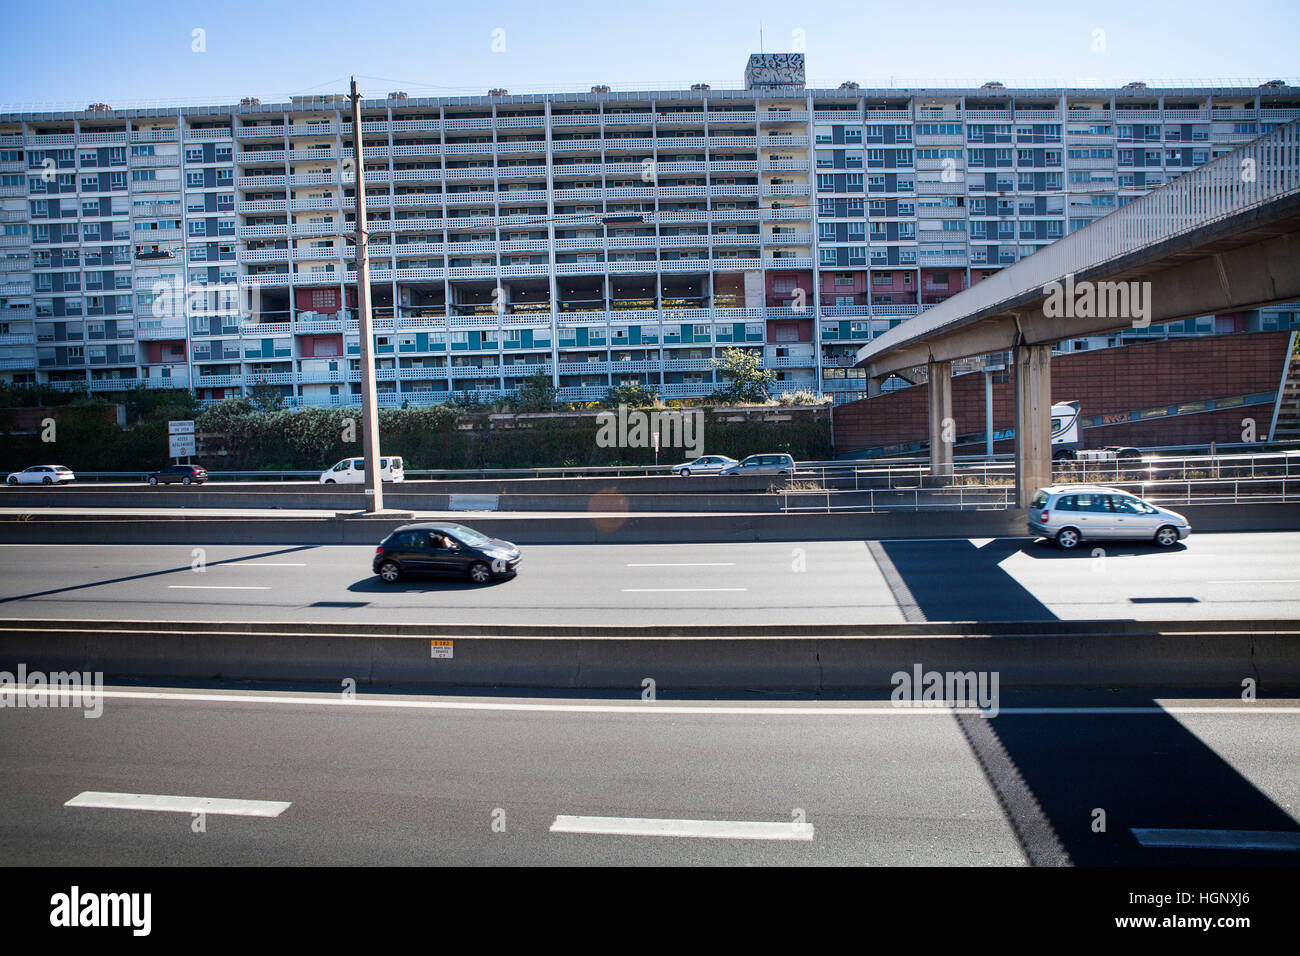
[
  {"x": 1210, "y": 576},
  {"x": 405, "y": 779}
]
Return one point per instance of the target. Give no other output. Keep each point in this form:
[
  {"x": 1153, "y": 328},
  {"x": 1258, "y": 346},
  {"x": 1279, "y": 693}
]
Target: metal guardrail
[
  {"x": 906, "y": 474},
  {"x": 1188, "y": 479},
  {"x": 1262, "y": 171},
  {"x": 313, "y": 475}
]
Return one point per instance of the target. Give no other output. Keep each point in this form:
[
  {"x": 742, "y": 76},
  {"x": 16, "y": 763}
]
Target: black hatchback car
[
  {"x": 185, "y": 474},
  {"x": 444, "y": 548}
]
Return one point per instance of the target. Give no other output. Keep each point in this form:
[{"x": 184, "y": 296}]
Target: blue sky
[{"x": 74, "y": 52}]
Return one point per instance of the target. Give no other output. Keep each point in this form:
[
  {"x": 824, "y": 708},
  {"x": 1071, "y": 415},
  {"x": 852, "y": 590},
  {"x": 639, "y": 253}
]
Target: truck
[{"x": 1066, "y": 444}]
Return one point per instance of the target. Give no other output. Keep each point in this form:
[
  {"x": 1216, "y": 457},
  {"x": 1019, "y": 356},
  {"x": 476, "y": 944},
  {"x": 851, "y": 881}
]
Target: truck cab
[{"x": 1066, "y": 445}]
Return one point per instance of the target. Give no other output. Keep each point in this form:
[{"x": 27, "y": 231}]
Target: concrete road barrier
[
  {"x": 839, "y": 657},
  {"x": 604, "y": 528}
]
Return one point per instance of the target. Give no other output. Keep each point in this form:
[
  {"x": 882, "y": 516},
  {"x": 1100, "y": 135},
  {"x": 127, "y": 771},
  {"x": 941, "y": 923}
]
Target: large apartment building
[{"x": 602, "y": 238}]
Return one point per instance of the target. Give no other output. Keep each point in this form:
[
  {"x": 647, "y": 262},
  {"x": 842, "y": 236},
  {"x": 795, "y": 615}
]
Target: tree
[
  {"x": 747, "y": 380},
  {"x": 537, "y": 394},
  {"x": 265, "y": 397},
  {"x": 633, "y": 396}
]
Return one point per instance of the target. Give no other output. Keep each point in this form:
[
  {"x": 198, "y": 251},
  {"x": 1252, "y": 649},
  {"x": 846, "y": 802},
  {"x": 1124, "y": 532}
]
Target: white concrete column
[
  {"x": 942, "y": 427},
  {"x": 1033, "y": 420}
]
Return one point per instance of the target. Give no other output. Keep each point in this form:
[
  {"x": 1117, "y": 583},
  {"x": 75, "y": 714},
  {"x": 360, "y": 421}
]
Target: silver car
[
  {"x": 762, "y": 465},
  {"x": 1068, "y": 514},
  {"x": 704, "y": 465}
]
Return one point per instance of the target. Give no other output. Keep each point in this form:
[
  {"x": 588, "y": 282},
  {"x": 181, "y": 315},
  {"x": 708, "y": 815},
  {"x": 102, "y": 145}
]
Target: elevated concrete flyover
[{"x": 1221, "y": 238}]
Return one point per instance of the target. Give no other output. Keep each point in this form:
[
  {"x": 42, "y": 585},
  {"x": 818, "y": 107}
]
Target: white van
[{"x": 352, "y": 471}]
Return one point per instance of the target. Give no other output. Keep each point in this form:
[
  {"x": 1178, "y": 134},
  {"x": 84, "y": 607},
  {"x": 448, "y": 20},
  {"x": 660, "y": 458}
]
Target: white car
[
  {"x": 352, "y": 471},
  {"x": 42, "y": 475},
  {"x": 704, "y": 465}
]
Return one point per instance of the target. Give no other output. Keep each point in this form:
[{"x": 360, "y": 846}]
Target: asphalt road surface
[
  {"x": 1210, "y": 576},
  {"x": 312, "y": 778}
]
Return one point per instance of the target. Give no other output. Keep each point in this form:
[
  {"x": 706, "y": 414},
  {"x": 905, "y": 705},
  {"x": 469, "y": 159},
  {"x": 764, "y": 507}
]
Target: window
[
  {"x": 194, "y": 178},
  {"x": 193, "y": 154}
]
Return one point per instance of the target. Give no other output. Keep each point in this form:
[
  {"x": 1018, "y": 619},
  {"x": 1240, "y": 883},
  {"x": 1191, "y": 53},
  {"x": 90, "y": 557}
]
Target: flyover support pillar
[
  {"x": 942, "y": 427},
  {"x": 1033, "y": 420}
]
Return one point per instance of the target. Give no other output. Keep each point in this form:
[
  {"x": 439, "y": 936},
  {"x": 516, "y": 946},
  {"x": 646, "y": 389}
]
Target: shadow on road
[
  {"x": 153, "y": 574},
  {"x": 424, "y": 584},
  {"x": 1074, "y": 786}
]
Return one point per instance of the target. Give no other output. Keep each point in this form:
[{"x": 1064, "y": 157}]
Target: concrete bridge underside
[{"x": 1246, "y": 261}]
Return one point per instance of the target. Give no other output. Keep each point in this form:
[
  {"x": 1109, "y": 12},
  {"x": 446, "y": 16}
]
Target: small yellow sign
[{"x": 441, "y": 648}]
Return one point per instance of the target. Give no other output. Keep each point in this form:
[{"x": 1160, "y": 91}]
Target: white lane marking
[
  {"x": 637, "y": 708},
  {"x": 672, "y": 590},
  {"x": 716, "y": 829},
  {"x": 686, "y": 564},
  {"x": 1218, "y": 839},
  {"x": 1259, "y": 581},
  {"x": 170, "y": 804},
  {"x": 217, "y": 587}
]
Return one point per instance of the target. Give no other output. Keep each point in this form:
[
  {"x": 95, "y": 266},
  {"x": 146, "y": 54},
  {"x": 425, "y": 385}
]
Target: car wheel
[
  {"x": 389, "y": 572},
  {"x": 1067, "y": 538},
  {"x": 185, "y": 481},
  {"x": 1167, "y": 536},
  {"x": 13, "y": 480},
  {"x": 329, "y": 481},
  {"x": 153, "y": 480},
  {"x": 47, "y": 480},
  {"x": 686, "y": 473},
  {"x": 480, "y": 573}
]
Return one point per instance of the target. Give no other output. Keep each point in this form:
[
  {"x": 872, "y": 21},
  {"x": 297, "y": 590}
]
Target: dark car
[
  {"x": 444, "y": 548},
  {"x": 185, "y": 474}
]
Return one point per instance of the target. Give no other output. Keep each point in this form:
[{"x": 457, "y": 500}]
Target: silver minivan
[{"x": 1068, "y": 514}]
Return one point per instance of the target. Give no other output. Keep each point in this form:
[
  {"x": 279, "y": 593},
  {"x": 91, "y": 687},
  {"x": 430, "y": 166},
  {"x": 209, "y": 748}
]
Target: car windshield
[{"x": 468, "y": 535}]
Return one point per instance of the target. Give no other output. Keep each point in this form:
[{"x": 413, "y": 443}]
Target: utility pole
[{"x": 369, "y": 401}]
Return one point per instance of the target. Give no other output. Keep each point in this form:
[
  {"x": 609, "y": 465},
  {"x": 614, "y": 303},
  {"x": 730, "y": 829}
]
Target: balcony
[
  {"x": 218, "y": 381},
  {"x": 156, "y": 186},
  {"x": 259, "y": 157},
  {"x": 153, "y": 136},
  {"x": 156, "y": 329}
]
